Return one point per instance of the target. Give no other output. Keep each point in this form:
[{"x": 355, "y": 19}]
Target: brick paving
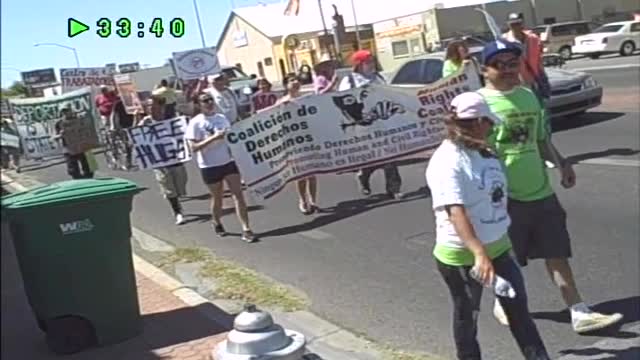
[{"x": 172, "y": 329}]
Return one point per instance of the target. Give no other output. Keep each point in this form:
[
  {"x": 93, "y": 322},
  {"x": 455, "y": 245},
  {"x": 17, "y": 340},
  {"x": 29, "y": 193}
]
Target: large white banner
[
  {"x": 78, "y": 78},
  {"x": 160, "y": 143},
  {"x": 342, "y": 131},
  {"x": 195, "y": 64}
]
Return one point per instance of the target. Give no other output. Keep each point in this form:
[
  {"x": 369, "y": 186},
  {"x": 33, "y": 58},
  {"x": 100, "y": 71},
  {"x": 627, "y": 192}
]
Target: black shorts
[
  {"x": 215, "y": 174},
  {"x": 539, "y": 230}
]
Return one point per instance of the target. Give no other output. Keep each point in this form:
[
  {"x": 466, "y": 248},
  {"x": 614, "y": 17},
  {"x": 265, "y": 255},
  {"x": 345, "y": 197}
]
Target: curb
[{"x": 324, "y": 339}]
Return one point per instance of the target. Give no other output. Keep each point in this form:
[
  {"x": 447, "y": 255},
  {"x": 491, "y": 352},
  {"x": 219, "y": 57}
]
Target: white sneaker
[
  {"x": 498, "y": 313},
  {"x": 587, "y": 322},
  {"x": 549, "y": 164},
  {"x": 179, "y": 219}
]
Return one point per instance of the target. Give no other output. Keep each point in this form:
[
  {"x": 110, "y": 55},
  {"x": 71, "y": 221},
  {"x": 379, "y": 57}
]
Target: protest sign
[
  {"x": 263, "y": 100},
  {"x": 36, "y": 118},
  {"x": 78, "y": 78},
  {"x": 39, "y": 78},
  {"x": 194, "y": 64},
  {"x": 160, "y": 143},
  {"x": 9, "y": 140},
  {"x": 128, "y": 93},
  {"x": 341, "y": 131}
]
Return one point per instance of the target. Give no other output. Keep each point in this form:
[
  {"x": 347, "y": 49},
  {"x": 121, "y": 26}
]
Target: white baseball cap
[{"x": 472, "y": 105}]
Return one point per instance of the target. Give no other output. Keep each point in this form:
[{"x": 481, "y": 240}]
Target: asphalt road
[{"x": 366, "y": 262}]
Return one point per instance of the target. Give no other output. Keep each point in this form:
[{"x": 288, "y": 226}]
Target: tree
[{"x": 17, "y": 89}]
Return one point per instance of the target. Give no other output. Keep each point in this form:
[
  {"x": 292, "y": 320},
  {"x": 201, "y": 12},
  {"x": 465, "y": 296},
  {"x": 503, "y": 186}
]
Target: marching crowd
[{"x": 491, "y": 193}]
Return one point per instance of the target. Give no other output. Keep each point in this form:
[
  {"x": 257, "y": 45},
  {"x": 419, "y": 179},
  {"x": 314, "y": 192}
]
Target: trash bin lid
[{"x": 69, "y": 191}]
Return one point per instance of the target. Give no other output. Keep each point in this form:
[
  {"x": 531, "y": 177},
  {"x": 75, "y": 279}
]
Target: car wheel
[
  {"x": 565, "y": 52},
  {"x": 594, "y": 56},
  {"x": 627, "y": 48}
]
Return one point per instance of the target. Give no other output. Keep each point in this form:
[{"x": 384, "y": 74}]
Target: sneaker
[
  {"x": 219, "y": 229},
  {"x": 549, "y": 164},
  {"x": 587, "y": 322},
  {"x": 365, "y": 190},
  {"x": 179, "y": 219},
  {"x": 498, "y": 313},
  {"x": 248, "y": 236},
  {"x": 398, "y": 195}
]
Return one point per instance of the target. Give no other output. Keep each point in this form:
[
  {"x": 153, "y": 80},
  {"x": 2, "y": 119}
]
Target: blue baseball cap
[{"x": 498, "y": 47}]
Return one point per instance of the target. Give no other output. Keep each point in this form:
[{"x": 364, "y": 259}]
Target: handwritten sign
[
  {"x": 78, "y": 78},
  {"x": 79, "y": 135},
  {"x": 160, "y": 143},
  {"x": 128, "y": 93}
]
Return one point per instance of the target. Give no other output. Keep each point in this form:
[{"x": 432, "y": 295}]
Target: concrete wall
[
  {"x": 244, "y": 45},
  {"x": 597, "y": 8},
  {"x": 405, "y": 33}
]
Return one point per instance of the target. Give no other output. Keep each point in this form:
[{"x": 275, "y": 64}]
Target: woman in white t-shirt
[
  {"x": 469, "y": 192},
  {"x": 206, "y": 136}
]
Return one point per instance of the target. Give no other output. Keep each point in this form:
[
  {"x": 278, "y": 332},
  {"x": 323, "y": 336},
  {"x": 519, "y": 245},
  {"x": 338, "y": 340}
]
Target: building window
[
  {"x": 416, "y": 46},
  {"x": 400, "y": 48},
  {"x": 268, "y": 61}
]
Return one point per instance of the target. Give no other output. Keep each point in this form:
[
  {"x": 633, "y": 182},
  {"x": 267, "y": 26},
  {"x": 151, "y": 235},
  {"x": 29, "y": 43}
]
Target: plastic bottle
[{"x": 501, "y": 287}]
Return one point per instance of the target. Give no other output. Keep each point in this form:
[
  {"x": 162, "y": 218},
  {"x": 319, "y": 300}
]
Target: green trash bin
[{"x": 72, "y": 240}]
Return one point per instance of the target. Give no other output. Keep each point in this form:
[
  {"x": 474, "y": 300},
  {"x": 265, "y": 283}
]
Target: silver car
[{"x": 571, "y": 92}]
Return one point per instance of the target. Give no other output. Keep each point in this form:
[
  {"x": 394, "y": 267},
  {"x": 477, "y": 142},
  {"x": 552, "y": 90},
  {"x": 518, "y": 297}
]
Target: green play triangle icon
[{"x": 75, "y": 27}]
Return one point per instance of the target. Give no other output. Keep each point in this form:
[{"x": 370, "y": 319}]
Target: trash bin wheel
[{"x": 69, "y": 334}]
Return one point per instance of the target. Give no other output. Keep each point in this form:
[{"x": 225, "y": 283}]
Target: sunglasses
[
  {"x": 505, "y": 65},
  {"x": 206, "y": 100}
]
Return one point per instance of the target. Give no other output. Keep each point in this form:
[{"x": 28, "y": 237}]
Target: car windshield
[
  {"x": 539, "y": 30},
  {"x": 235, "y": 74},
  {"x": 608, "y": 29}
]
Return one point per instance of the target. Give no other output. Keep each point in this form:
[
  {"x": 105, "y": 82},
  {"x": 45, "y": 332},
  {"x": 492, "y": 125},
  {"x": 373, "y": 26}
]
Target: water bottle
[{"x": 501, "y": 287}]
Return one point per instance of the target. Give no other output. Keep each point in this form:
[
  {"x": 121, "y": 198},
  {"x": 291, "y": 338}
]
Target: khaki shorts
[{"x": 172, "y": 180}]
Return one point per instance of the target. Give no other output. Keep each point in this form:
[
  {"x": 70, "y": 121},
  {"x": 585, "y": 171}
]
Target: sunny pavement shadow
[
  {"x": 170, "y": 326},
  {"x": 628, "y": 307},
  {"x": 344, "y": 210},
  {"x": 574, "y": 159},
  {"x": 582, "y": 120},
  {"x": 631, "y": 353}
]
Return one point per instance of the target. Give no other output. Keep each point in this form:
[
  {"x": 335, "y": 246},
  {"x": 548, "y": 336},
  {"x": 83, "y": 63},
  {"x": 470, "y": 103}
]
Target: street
[{"x": 366, "y": 264}]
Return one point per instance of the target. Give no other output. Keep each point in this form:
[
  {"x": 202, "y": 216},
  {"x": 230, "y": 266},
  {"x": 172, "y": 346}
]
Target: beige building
[{"x": 407, "y": 36}]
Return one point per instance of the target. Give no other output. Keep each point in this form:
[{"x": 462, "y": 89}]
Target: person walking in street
[
  {"x": 469, "y": 192},
  {"x": 105, "y": 102},
  {"x": 365, "y": 71},
  {"x": 264, "y": 97},
  {"x": 539, "y": 228},
  {"x": 226, "y": 101},
  {"x": 172, "y": 179},
  {"x": 77, "y": 164},
  {"x": 307, "y": 187},
  {"x": 206, "y": 136},
  {"x": 326, "y": 78},
  {"x": 532, "y": 73},
  {"x": 169, "y": 96},
  {"x": 456, "y": 57}
]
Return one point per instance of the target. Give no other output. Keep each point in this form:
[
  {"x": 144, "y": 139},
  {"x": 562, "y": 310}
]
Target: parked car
[
  {"x": 618, "y": 37},
  {"x": 571, "y": 92},
  {"x": 558, "y": 37}
]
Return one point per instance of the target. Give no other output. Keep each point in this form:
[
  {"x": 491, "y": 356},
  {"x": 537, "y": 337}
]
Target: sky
[{"x": 28, "y": 22}]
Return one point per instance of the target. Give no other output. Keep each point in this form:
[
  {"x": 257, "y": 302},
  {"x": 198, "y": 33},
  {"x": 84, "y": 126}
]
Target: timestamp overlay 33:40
[{"x": 123, "y": 27}]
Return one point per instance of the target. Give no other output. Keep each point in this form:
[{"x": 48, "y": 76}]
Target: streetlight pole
[
  {"x": 75, "y": 53},
  {"x": 195, "y": 7}
]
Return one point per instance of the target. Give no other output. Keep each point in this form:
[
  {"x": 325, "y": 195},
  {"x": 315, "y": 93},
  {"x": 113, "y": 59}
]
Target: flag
[
  {"x": 491, "y": 23},
  {"x": 293, "y": 8}
]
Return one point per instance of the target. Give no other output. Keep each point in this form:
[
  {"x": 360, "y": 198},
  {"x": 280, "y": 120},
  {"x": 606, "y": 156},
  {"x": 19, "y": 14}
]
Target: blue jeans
[{"x": 466, "y": 294}]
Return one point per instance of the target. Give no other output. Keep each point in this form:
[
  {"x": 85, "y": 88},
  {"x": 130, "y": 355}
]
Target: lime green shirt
[
  {"x": 463, "y": 257},
  {"x": 516, "y": 140},
  {"x": 449, "y": 68}
]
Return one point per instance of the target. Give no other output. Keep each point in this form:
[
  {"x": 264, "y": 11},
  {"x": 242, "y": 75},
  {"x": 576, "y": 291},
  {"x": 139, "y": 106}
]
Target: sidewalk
[{"x": 172, "y": 329}]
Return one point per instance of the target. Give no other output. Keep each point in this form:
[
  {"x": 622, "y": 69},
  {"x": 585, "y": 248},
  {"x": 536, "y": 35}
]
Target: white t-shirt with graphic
[
  {"x": 203, "y": 126},
  {"x": 457, "y": 175}
]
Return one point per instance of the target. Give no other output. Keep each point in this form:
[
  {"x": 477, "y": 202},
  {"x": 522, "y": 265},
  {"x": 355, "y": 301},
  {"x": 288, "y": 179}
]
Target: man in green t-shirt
[{"x": 538, "y": 222}]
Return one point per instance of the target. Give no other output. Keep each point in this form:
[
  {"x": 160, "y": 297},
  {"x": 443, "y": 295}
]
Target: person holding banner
[
  {"x": 264, "y": 97},
  {"x": 469, "y": 192},
  {"x": 307, "y": 187},
  {"x": 105, "y": 102},
  {"x": 78, "y": 166},
  {"x": 539, "y": 223},
  {"x": 326, "y": 78},
  {"x": 170, "y": 98},
  {"x": 225, "y": 98},
  {"x": 172, "y": 179},
  {"x": 206, "y": 136},
  {"x": 365, "y": 71},
  {"x": 456, "y": 57}
]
